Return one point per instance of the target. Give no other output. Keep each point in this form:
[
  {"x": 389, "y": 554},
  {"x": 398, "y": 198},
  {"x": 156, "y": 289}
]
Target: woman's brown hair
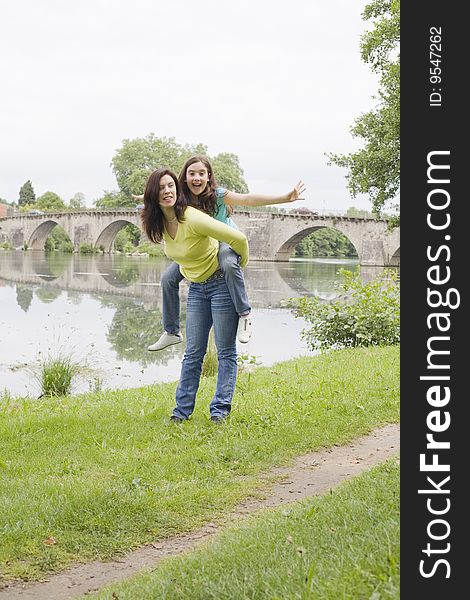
[{"x": 152, "y": 217}]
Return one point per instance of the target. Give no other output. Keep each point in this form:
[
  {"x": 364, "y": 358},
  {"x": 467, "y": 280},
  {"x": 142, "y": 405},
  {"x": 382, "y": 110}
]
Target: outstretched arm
[
  {"x": 235, "y": 199},
  {"x": 137, "y": 197}
]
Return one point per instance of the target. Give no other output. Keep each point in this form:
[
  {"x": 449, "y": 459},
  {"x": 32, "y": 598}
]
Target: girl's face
[
  {"x": 167, "y": 195},
  {"x": 197, "y": 177}
]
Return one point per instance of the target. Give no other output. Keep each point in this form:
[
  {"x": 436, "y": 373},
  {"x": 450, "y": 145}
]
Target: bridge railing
[
  {"x": 321, "y": 212},
  {"x": 357, "y": 214}
]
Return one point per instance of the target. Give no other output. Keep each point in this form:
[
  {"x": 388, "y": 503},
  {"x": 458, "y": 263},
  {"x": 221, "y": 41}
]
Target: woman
[
  {"x": 199, "y": 187},
  {"x": 191, "y": 239}
]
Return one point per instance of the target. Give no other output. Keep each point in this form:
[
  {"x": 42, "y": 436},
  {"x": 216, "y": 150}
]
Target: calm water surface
[{"x": 105, "y": 310}]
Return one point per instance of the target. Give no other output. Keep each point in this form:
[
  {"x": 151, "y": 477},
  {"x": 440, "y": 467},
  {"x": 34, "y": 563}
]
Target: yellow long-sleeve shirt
[{"x": 195, "y": 246}]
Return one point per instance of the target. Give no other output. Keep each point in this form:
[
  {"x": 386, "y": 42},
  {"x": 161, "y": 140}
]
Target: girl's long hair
[
  {"x": 152, "y": 217},
  {"x": 207, "y": 200}
]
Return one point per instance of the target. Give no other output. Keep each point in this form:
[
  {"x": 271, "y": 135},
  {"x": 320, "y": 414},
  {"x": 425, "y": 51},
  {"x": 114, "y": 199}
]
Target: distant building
[{"x": 5, "y": 210}]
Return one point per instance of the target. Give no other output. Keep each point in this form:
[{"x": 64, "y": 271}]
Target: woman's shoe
[
  {"x": 218, "y": 418},
  {"x": 175, "y": 419}
]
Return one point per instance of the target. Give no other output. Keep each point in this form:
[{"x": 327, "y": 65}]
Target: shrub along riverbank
[{"x": 90, "y": 476}]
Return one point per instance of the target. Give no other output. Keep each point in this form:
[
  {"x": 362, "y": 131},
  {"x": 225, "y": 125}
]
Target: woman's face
[
  {"x": 167, "y": 195},
  {"x": 197, "y": 177}
]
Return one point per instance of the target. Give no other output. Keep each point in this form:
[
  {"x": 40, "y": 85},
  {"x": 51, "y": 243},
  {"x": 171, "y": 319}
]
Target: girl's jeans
[
  {"x": 208, "y": 304},
  {"x": 171, "y": 278}
]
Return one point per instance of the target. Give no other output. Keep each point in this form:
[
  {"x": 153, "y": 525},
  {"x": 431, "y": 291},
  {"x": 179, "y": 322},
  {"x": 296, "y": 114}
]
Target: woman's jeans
[
  {"x": 171, "y": 279},
  {"x": 208, "y": 304}
]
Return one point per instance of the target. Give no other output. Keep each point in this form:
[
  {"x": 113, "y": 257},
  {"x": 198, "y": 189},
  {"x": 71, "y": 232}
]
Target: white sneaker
[
  {"x": 244, "y": 328},
  {"x": 166, "y": 339}
]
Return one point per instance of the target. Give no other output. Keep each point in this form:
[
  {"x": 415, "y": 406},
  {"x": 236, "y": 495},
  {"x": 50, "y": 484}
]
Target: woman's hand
[
  {"x": 137, "y": 197},
  {"x": 296, "y": 193}
]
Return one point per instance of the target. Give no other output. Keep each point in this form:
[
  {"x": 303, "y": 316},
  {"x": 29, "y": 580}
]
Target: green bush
[
  {"x": 127, "y": 239},
  {"x": 363, "y": 315},
  {"x": 66, "y": 246},
  {"x": 56, "y": 375},
  {"x": 58, "y": 240},
  {"x": 88, "y": 249},
  {"x": 150, "y": 248}
]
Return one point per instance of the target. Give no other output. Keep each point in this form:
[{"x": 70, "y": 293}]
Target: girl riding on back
[{"x": 200, "y": 190}]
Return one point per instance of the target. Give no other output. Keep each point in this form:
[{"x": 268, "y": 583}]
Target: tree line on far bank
[{"x": 132, "y": 165}]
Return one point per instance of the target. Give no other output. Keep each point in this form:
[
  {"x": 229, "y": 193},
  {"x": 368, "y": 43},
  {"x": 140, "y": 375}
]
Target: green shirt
[{"x": 195, "y": 246}]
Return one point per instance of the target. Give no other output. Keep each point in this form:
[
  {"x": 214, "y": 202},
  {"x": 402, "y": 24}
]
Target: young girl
[
  {"x": 191, "y": 241},
  {"x": 200, "y": 190}
]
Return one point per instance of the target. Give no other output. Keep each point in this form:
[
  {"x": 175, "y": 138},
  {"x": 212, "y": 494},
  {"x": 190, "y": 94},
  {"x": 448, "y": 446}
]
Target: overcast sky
[{"x": 278, "y": 83}]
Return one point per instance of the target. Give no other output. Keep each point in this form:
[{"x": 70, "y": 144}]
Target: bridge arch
[
  {"x": 287, "y": 248},
  {"x": 395, "y": 258},
  {"x": 37, "y": 239},
  {"x": 106, "y": 237}
]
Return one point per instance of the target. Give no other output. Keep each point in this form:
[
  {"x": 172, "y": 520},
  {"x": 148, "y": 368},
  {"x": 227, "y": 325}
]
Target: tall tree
[
  {"x": 228, "y": 172},
  {"x": 78, "y": 200},
  {"x": 375, "y": 169},
  {"x": 50, "y": 201},
  {"x": 26, "y": 195},
  {"x": 114, "y": 200},
  {"x": 137, "y": 158}
]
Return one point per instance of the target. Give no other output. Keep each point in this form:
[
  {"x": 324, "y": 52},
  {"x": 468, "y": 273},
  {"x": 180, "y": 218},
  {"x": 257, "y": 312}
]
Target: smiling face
[
  {"x": 197, "y": 177},
  {"x": 167, "y": 194}
]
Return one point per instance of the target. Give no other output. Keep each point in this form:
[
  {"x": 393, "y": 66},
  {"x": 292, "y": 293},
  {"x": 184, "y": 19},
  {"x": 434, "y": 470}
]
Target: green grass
[
  {"x": 104, "y": 472},
  {"x": 210, "y": 363},
  {"x": 56, "y": 375},
  {"x": 343, "y": 545}
]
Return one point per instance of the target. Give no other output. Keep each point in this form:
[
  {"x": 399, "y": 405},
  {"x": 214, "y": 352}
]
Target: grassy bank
[
  {"x": 90, "y": 476},
  {"x": 341, "y": 545}
]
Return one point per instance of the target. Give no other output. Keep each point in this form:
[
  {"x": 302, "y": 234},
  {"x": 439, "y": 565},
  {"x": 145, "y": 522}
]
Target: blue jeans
[
  {"x": 171, "y": 279},
  {"x": 208, "y": 304},
  {"x": 229, "y": 262}
]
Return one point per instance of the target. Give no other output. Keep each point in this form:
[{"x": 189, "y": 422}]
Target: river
[{"x": 103, "y": 311}]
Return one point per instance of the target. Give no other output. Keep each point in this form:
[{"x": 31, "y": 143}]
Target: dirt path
[{"x": 308, "y": 475}]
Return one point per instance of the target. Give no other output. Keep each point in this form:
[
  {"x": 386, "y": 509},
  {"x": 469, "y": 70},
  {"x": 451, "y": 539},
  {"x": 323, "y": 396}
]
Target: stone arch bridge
[{"x": 272, "y": 236}]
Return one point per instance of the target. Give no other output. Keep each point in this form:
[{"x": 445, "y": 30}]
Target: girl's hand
[{"x": 296, "y": 193}]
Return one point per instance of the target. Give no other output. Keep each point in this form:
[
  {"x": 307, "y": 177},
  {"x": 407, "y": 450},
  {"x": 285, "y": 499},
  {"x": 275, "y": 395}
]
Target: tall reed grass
[{"x": 56, "y": 375}]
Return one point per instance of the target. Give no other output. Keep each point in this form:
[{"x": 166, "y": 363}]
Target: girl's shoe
[
  {"x": 244, "y": 328},
  {"x": 166, "y": 339}
]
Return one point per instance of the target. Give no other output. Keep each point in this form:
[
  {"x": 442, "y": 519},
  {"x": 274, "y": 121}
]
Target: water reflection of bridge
[
  {"x": 132, "y": 276},
  {"x": 268, "y": 284}
]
